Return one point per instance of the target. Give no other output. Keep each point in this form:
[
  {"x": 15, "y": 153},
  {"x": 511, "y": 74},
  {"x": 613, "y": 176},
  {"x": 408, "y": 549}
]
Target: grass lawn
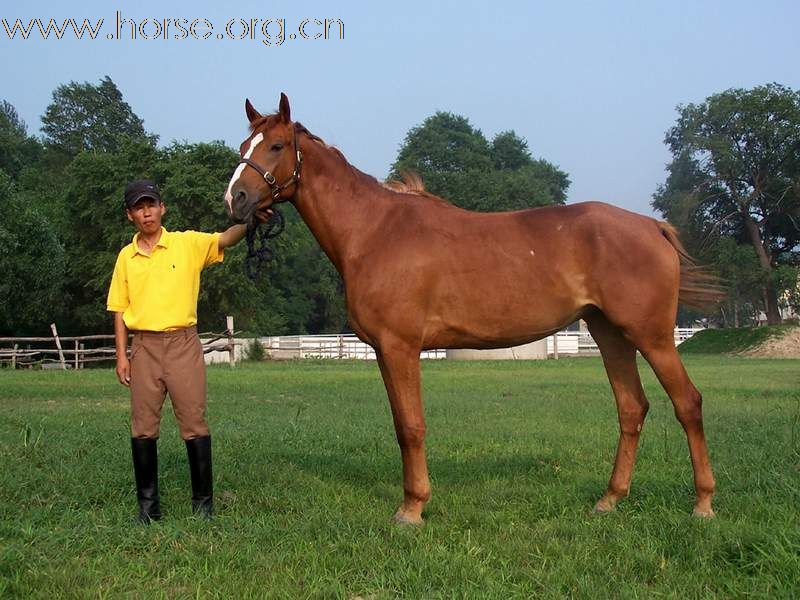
[{"x": 307, "y": 476}]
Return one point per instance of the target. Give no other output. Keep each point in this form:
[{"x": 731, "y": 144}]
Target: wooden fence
[{"x": 75, "y": 352}]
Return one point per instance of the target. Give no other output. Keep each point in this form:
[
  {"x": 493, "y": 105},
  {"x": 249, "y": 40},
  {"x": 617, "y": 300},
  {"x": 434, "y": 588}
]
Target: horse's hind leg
[
  {"x": 400, "y": 369},
  {"x": 619, "y": 358},
  {"x": 687, "y": 403}
]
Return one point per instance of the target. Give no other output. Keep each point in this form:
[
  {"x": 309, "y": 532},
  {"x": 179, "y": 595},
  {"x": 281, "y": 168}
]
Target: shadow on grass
[{"x": 529, "y": 478}]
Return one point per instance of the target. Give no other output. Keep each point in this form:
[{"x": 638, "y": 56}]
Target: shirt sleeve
[
  {"x": 206, "y": 247},
  {"x": 118, "y": 300}
]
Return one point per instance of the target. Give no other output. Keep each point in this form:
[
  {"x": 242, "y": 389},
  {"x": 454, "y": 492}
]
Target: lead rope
[{"x": 258, "y": 236}]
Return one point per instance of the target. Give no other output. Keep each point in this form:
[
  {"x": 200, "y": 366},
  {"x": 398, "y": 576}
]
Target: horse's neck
[{"x": 340, "y": 206}]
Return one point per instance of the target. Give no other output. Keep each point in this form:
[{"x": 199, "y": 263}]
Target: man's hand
[
  {"x": 121, "y": 344},
  {"x": 263, "y": 214},
  {"x": 124, "y": 371},
  {"x": 233, "y": 234}
]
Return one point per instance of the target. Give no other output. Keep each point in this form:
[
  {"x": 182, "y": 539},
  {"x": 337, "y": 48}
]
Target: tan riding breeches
[{"x": 161, "y": 362}]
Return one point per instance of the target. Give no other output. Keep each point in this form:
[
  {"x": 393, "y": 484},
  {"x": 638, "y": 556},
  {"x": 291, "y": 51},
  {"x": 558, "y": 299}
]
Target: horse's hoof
[
  {"x": 703, "y": 513},
  {"x": 604, "y": 506},
  {"x": 405, "y": 520}
]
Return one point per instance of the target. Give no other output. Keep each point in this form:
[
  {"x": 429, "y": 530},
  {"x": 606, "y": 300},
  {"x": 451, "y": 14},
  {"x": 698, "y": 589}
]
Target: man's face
[{"x": 146, "y": 215}]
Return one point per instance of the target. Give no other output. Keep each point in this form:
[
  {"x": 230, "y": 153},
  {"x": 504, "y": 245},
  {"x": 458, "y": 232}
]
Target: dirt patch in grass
[
  {"x": 741, "y": 341},
  {"x": 786, "y": 345}
]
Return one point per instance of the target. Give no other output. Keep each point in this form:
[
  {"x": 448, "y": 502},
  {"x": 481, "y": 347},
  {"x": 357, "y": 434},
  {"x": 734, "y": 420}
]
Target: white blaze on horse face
[{"x": 238, "y": 172}]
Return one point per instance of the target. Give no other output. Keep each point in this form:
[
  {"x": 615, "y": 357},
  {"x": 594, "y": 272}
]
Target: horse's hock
[{"x": 533, "y": 351}]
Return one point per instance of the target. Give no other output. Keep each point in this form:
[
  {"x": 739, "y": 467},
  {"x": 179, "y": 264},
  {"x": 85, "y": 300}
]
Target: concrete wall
[{"x": 534, "y": 351}]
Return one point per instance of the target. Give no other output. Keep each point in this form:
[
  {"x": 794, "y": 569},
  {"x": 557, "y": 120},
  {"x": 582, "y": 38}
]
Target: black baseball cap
[{"x": 141, "y": 188}]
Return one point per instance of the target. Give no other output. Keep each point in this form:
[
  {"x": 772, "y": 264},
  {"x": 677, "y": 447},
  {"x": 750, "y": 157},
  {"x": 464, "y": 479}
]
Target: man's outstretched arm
[{"x": 232, "y": 235}]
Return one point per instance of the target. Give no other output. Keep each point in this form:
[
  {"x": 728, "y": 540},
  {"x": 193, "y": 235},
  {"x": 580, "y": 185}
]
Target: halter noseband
[{"x": 270, "y": 178}]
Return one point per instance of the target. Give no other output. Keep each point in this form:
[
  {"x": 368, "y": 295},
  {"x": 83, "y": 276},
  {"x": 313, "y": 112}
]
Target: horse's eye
[{"x": 276, "y": 147}]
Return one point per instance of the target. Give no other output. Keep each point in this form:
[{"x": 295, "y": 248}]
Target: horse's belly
[{"x": 492, "y": 324}]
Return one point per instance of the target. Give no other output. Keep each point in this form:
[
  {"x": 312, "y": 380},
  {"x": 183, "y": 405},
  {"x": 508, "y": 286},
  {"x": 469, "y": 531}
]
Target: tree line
[
  {"x": 732, "y": 189},
  {"x": 62, "y": 221}
]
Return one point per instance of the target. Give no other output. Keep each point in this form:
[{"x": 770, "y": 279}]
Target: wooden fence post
[
  {"x": 555, "y": 345},
  {"x": 80, "y": 364},
  {"x": 58, "y": 345},
  {"x": 231, "y": 347},
  {"x": 76, "y": 355},
  {"x": 14, "y": 357}
]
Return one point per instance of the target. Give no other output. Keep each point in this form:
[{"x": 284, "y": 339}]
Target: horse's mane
[{"x": 410, "y": 182}]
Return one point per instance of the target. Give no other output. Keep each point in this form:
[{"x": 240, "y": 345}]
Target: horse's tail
[{"x": 699, "y": 288}]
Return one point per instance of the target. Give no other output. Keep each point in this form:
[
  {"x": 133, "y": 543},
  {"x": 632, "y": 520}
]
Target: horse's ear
[
  {"x": 283, "y": 109},
  {"x": 252, "y": 113}
]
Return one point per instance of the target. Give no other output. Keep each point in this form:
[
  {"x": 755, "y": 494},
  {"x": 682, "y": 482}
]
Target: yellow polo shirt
[{"x": 158, "y": 291}]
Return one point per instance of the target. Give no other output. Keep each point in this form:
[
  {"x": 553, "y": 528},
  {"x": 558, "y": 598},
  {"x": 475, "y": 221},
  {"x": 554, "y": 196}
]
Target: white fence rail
[
  {"x": 350, "y": 347},
  {"x": 326, "y": 346}
]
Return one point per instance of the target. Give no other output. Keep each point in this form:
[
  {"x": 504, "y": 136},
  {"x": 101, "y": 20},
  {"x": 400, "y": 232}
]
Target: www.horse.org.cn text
[{"x": 270, "y": 32}]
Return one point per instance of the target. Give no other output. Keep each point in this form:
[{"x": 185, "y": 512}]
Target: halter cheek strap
[{"x": 275, "y": 188}]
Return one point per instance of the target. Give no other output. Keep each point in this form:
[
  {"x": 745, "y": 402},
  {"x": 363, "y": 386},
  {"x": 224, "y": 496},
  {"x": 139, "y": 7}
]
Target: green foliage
[
  {"x": 17, "y": 149},
  {"x": 457, "y": 163},
  {"x": 71, "y": 192},
  {"x": 732, "y": 339},
  {"x": 254, "y": 351},
  {"x": 32, "y": 266},
  {"x": 83, "y": 116},
  {"x": 787, "y": 279},
  {"x": 307, "y": 475},
  {"x": 509, "y": 151},
  {"x": 96, "y": 226},
  {"x": 444, "y": 143},
  {"x": 738, "y": 267}
]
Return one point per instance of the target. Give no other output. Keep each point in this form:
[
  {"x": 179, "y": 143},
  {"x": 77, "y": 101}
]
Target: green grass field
[{"x": 307, "y": 476}]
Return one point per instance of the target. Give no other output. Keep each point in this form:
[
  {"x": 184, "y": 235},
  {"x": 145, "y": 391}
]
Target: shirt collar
[{"x": 163, "y": 241}]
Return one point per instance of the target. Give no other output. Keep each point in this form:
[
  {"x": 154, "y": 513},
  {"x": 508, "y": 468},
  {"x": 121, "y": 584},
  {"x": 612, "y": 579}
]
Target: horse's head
[{"x": 274, "y": 159}]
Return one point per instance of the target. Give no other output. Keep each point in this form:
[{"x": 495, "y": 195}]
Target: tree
[
  {"x": 444, "y": 143},
  {"x": 83, "y": 116},
  {"x": 509, "y": 151},
  {"x": 736, "y": 172},
  {"x": 95, "y": 226},
  {"x": 17, "y": 149},
  {"x": 62, "y": 224},
  {"x": 457, "y": 163},
  {"x": 32, "y": 266},
  {"x": 738, "y": 266}
]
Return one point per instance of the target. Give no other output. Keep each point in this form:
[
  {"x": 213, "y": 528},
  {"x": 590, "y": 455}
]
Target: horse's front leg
[{"x": 400, "y": 369}]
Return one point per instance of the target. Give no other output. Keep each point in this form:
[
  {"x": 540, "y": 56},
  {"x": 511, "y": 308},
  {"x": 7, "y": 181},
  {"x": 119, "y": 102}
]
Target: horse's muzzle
[{"x": 242, "y": 206}]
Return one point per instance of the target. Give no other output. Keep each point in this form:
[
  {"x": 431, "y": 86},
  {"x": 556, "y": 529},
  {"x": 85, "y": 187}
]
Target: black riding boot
[
  {"x": 199, "y": 452},
  {"x": 145, "y": 469}
]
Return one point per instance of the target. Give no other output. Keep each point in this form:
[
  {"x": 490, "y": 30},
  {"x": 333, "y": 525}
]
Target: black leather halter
[{"x": 274, "y": 187}]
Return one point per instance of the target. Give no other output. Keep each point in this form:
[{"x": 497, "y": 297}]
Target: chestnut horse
[{"x": 420, "y": 273}]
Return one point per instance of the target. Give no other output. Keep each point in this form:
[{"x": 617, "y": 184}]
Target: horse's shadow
[{"x": 514, "y": 476}]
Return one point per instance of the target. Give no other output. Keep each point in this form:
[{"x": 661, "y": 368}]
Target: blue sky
[{"x": 592, "y": 86}]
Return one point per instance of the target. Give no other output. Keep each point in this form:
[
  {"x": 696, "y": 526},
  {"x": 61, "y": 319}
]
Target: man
[{"x": 153, "y": 293}]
